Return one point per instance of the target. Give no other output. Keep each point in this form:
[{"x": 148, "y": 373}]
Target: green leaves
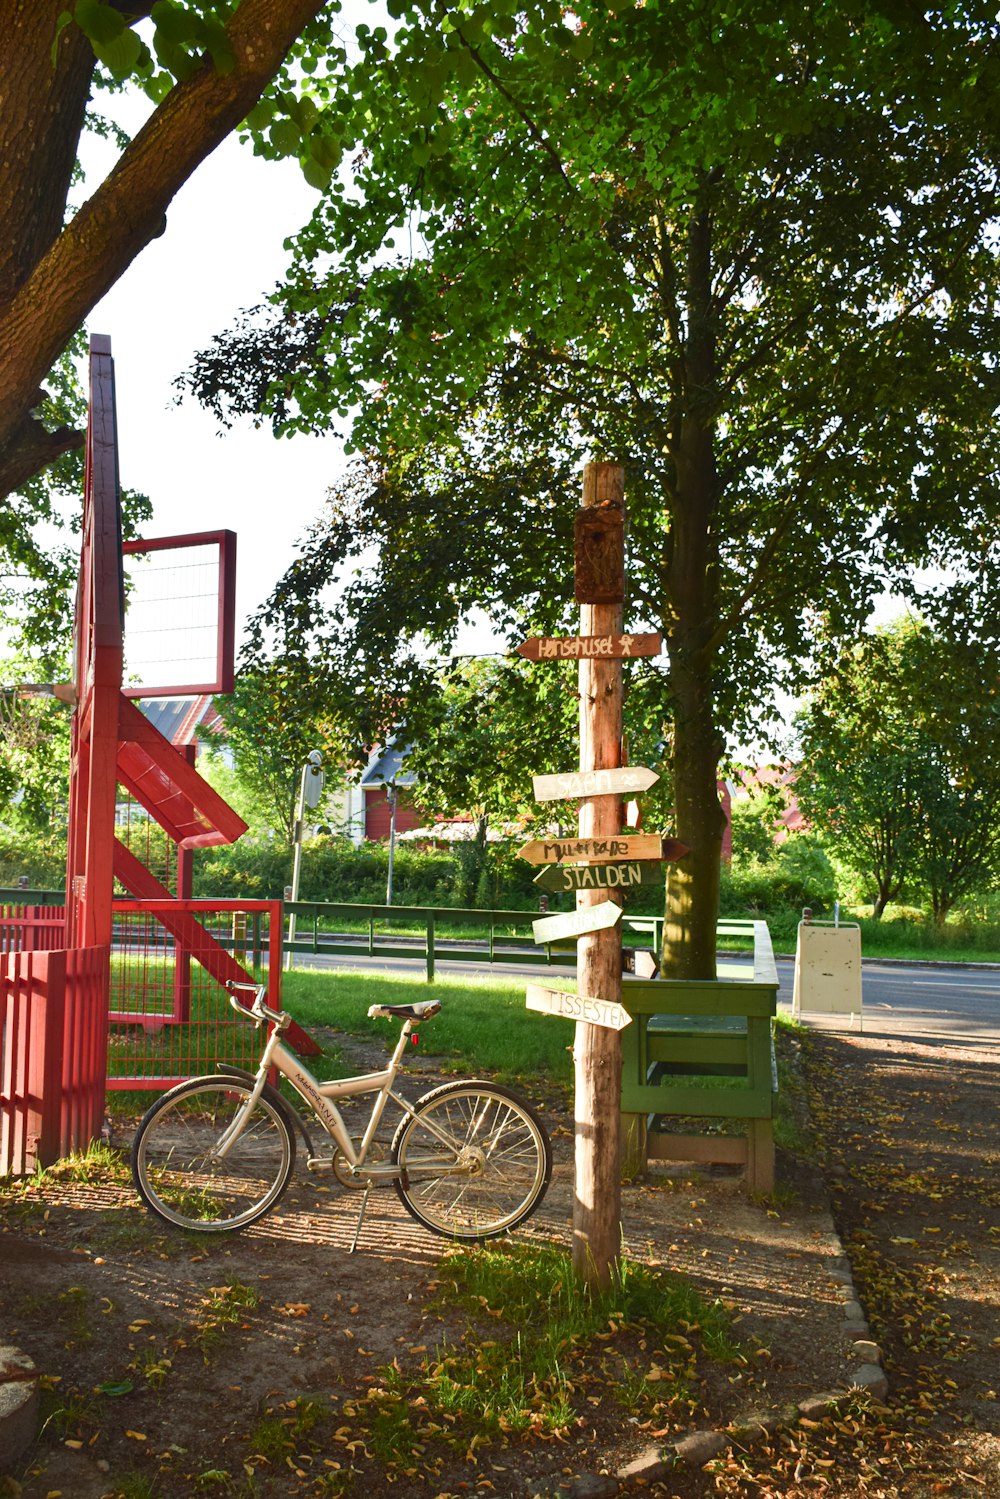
[
  {"x": 119, "y": 49},
  {"x": 183, "y": 35},
  {"x": 900, "y": 766}
]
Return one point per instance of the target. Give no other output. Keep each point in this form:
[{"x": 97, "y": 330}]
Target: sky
[{"x": 222, "y": 251}]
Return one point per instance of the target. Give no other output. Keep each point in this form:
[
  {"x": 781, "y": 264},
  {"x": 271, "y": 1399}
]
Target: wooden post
[{"x": 600, "y": 564}]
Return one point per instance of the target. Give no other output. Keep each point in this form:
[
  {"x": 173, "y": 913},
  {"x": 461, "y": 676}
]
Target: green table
[{"x": 703, "y": 1049}]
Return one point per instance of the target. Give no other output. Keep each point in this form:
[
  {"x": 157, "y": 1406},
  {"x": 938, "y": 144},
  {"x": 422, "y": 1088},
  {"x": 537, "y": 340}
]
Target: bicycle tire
[
  {"x": 509, "y": 1159},
  {"x": 172, "y": 1156}
]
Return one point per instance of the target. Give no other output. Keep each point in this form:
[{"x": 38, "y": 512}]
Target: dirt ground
[{"x": 166, "y": 1361}]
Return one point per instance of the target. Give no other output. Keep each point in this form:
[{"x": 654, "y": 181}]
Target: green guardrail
[
  {"x": 498, "y": 945},
  {"x": 413, "y": 933},
  {"x": 17, "y": 895}
]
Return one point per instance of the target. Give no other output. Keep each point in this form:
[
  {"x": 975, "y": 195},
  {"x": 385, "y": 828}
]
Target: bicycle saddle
[{"x": 422, "y": 1010}]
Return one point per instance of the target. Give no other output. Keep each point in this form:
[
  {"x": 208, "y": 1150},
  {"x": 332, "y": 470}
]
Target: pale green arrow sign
[
  {"x": 606, "y": 1012},
  {"x": 577, "y": 923},
  {"x": 626, "y": 780}
]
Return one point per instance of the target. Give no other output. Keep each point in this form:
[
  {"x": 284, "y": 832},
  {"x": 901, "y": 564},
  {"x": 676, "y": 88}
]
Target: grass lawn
[{"x": 483, "y": 1022}]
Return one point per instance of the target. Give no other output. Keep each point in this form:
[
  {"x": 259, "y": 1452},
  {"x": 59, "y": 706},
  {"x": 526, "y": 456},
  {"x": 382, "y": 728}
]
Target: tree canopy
[
  {"x": 900, "y": 766},
  {"x": 751, "y": 253},
  {"x": 270, "y": 730}
]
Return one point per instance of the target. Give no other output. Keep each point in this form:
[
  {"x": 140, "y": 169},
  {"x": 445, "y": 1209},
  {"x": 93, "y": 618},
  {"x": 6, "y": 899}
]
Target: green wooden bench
[{"x": 703, "y": 1049}]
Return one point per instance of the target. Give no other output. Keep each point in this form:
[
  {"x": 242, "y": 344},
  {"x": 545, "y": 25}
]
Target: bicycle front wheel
[
  {"x": 201, "y": 1161},
  {"x": 474, "y": 1161}
]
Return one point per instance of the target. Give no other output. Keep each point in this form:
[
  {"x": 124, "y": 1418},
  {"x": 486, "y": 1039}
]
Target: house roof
[
  {"x": 178, "y": 718},
  {"x": 386, "y": 765}
]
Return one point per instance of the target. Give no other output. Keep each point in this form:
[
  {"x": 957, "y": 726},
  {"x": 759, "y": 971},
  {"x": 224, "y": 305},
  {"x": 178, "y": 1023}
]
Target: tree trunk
[
  {"x": 692, "y": 891},
  {"x": 692, "y": 900}
]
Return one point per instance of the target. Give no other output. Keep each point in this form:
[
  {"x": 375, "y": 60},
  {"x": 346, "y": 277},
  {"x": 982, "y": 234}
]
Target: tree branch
[
  {"x": 33, "y": 448},
  {"x": 127, "y": 210}
]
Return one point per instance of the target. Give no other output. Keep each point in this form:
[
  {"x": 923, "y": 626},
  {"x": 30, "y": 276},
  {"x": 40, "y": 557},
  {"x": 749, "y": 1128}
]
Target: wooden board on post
[
  {"x": 579, "y": 647},
  {"x": 599, "y": 554},
  {"x": 605, "y": 1012},
  {"x": 625, "y": 781},
  {"x": 561, "y": 878},
  {"x": 577, "y": 923},
  {"x": 610, "y": 849}
]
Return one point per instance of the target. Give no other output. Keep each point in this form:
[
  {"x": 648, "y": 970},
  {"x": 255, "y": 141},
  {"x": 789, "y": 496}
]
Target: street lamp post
[
  {"x": 310, "y": 791},
  {"x": 393, "y": 795}
]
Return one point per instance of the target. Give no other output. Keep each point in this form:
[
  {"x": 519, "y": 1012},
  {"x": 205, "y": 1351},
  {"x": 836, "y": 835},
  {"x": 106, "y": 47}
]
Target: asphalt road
[{"x": 932, "y": 1002}]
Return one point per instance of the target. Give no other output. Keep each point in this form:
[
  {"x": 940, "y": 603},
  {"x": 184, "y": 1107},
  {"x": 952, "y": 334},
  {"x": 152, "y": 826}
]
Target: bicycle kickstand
[{"x": 361, "y": 1219}]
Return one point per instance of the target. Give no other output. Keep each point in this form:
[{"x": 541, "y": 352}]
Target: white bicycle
[{"x": 470, "y": 1160}]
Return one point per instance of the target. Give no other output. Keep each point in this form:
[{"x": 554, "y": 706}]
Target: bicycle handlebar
[{"x": 259, "y": 1010}]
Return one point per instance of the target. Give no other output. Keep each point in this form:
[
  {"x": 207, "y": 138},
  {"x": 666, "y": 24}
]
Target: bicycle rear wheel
[
  {"x": 475, "y": 1161},
  {"x": 180, "y": 1173}
]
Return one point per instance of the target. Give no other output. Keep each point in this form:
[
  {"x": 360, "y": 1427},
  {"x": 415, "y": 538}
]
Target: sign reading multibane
[{"x": 599, "y": 850}]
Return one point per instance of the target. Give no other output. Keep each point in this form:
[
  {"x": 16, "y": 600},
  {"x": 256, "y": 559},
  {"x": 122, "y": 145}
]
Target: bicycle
[{"x": 469, "y": 1160}]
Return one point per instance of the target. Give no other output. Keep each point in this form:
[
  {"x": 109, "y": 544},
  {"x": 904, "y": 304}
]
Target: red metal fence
[
  {"x": 53, "y": 1049},
  {"x": 142, "y": 1015},
  {"x": 170, "y": 1015},
  {"x": 32, "y": 928}
]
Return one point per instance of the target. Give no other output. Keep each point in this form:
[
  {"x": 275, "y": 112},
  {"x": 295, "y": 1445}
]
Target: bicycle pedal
[{"x": 319, "y": 1163}]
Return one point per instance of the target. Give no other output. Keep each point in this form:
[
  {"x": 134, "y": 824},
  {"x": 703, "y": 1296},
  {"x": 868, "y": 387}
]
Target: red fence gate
[{"x": 53, "y": 1054}]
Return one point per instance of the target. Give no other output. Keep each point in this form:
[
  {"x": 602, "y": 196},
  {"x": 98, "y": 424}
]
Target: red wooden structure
[
  {"x": 54, "y": 1013},
  {"x": 54, "y": 1004}
]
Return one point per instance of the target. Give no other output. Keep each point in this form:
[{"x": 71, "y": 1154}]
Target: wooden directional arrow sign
[
  {"x": 560, "y": 878},
  {"x": 622, "y": 782},
  {"x": 643, "y": 964},
  {"x": 604, "y": 1012},
  {"x": 601, "y": 850},
  {"x": 583, "y": 647},
  {"x": 577, "y": 923}
]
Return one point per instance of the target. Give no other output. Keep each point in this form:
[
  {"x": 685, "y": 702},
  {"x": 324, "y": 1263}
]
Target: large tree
[
  {"x": 900, "y": 764},
  {"x": 750, "y": 252}
]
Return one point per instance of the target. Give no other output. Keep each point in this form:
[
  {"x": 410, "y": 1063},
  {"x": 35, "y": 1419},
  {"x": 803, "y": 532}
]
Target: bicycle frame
[{"x": 321, "y": 1098}]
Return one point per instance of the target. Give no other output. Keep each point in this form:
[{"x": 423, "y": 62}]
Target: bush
[
  {"x": 39, "y": 856},
  {"x": 334, "y": 870},
  {"x": 799, "y": 874}
]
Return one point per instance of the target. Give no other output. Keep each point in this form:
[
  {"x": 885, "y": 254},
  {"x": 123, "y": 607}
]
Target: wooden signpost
[
  {"x": 560, "y": 878},
  {"x": 610, "y": 861},
  {"x": 580, "y": 647},
  {"x": 605, "y": 1012},
  {"x": 607, "y": 850},
  {"x": 576, "y": 923},
  {"x": 627, "y": 780}
]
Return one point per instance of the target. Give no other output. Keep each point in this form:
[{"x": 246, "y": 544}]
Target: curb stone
[
  {"x": 18, "y": 1404},
  {"x": 700, "y": 1447}
]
